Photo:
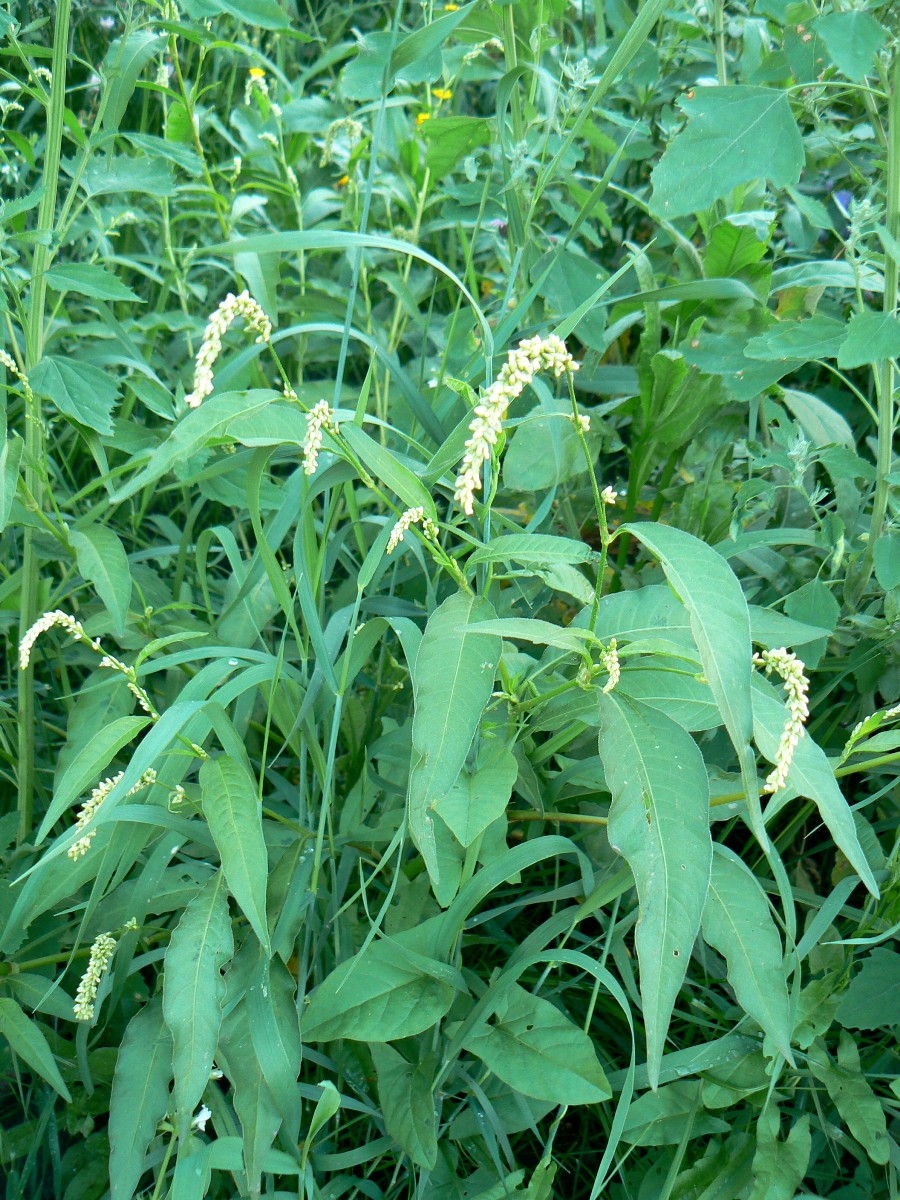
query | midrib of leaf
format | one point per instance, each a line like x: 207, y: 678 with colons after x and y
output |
x: 193, y: 986
x: 715, y: 158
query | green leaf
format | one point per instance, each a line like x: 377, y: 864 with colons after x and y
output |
x: 810, y: 775
x: 542, y: 633
x: 275, y: 1034
x: 26, y: 1039
x: 406, y: 1092
x: 80, y: 391
x: 475, y: 801
x: 452, y: 682
x: 10, y: 458
x: 852, y: 1096
x: 816, y: 337
x: 387, y: 470
x: 111, y: 175
x: 413, y: 56
x: 539, y: 1051
x: 720, y: 621
x: 887, y: 560
x: 232, y: 811
x: 659, y: 1118
x: 449, y: 138
x: 532, y: 549
x: 103, y: 562
x: 140, y: 1097
x: 871, y: 337
x: 89, y: 279
x: 256, y: 1109
x: 779, y: 1167
x: 91, y: 760
x: 381, y: 994
x: 545, y: 450
x: 734, y: 135
x: 852, y: 39
x: 124, y: 61
x: 267, y: 14
x: 737, y: 922
x: 659, y: 822
x: 872, y: 1001
x: 194, y: 990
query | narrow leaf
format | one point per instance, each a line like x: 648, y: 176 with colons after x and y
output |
x: 26, y: 1039
x: 140, y: 1097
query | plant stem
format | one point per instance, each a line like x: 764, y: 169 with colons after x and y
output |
x: 34, y: 449
x: 721, y: 69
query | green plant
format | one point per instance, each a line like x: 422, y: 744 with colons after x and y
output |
x: 417, y: 459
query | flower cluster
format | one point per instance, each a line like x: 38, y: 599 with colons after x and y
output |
x: 6, y: 360
x: 72, y: 627
x: 229, y: 310
x: 116, y: 664
x: 610, y: 659
x: 319, y: 417
x: 788, y: 667
x: 522, y: 364
x: 101, y: 955
x: 412, y: 516
x: 89, y: 808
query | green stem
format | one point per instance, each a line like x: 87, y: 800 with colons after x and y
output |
x: 34, y: 450
x: 721, y: 70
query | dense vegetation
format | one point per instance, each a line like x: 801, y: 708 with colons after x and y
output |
x: 450, y: 593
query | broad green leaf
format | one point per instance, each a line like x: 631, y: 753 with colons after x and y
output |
x: 887, y: 560
x: 536, y: 550
x: 779, y: 1167
x: 852, y: 39
x: 267, y: 14
x: 381, y: 994
x: 232, y: 811
x: 26, y: 1039
x: 720, y: 623
x: 122, y: 173
x: 737, y: 922
x: 387, y: 470
x: 734, y: 135
x: 89, y: 279
x: 140, y: 1097
x: 194, y: 990
x: 545, y: 450
x: 852, y: 1096
x: 452, y: 682
x: 539, y: 1051
x: 477, y: 800
x: 193, y: 431
x: 659, y: 822
x: 674, y: 688
x: 810, y: 775
x: 257, y: 1112
x: 872, y: 1001
x: 871, y: 337
x: 659, y: 1118
x: 449, y: 138
x: 10, y: 458
x: 406, y: 1092
x: 80, y: 391
x: 816, y: 337
x: 103, y: 562
x: 91, y: 760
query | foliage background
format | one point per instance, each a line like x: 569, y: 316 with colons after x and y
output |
x: 370, y: 916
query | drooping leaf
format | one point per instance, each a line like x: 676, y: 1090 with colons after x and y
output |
x: 452, y: 682
x: 103, y: 562
x: 275, y: 1034
x: 406, y: 1092
x: 257, y: 1112
x: 734, y: 135
x: 385, y: 467
x: 140, y: 1097
x: 193, y: 992
x: 10, y: 458
x: 659, y: 822
x: 26, y: 1039
x: 122, y: 66
x: 381, y: 994
x: 232, y: 811
x: 539, y: 1051
x: 737, y: 922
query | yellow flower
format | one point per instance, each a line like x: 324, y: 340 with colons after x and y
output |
x: 422, y: 118
x: 451, y: 8
x: 343, y: 181
x: 257, y: 73
x: 442, y: 93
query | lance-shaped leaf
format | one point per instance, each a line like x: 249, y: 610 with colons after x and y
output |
x: 539, y: 1051
x: 194, y: 990
x: 25, y: 1037
x: 383, y: 993
x: 140, y: 1097
x: 659, y: 822
x: 253, y: 1102
x: 232, y: 812
x: 737, y: 922
x: 452, y: 682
